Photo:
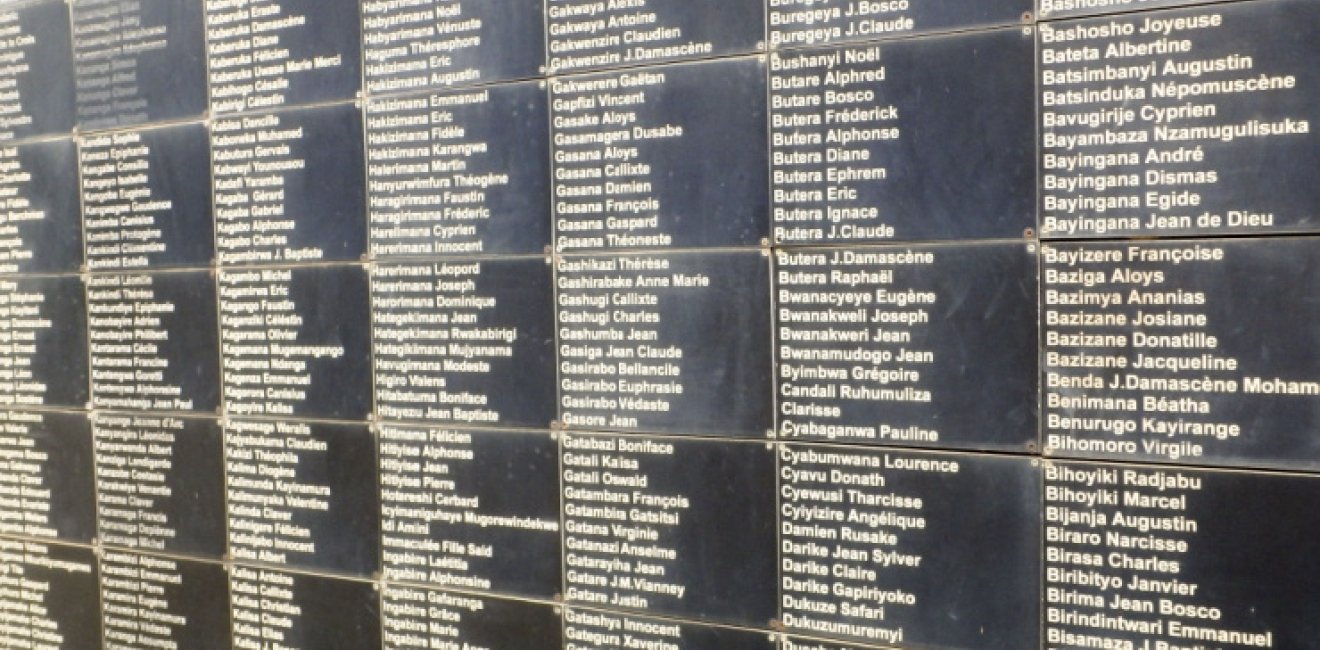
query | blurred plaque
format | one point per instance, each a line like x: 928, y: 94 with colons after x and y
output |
x: 619, y: 33
x: 673, y: 343
x: 272, y: 609
x: 43, y: 341
x: 596, y: 629
x: 266, y: 55
x: 139, y: 61
x: 800, y: 643
x: 1188, y: 122
x: 670, y: 526
x: 154, y: 341
x: 465, y: 342
x: 160, y: 483
x: 1196, y: 351
x: 459, y: 173
x: 869, y: 540
x: 296, y: 342
x: 795, y: 23
x: 54, y: 589
x: 1156, y: 557
x: 46, y: 476
x: 472, y: 510
x: 928, y: 346
x: 303, y: 495
x: 436, y: 43
x: 1066, y: 8
x: 156, y: 602
x: 40, y: 230
x: 289, y: 186
x: 147, y: 198
x: 922, y: 139
x: 426, y: 618
x: 663, y: 157
x: 36, y: 71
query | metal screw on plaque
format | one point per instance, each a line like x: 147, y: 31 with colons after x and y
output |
x: 558, y: 598
x: 1027, y: 17
x: 777, y: 625
x: 1027, y: 31
x: 1029, y: 233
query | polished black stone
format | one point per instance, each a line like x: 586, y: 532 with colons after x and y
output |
x: 40, y: 182
x: 57, y: 586
x: 312, y: 611
x: 1066, y: 8
x: 617, y: 630
x: 47, y: 476
x: 643, y: 32
x: 923, y: 139
x: 43, y: 341
x: 427, y: 618
x: 37, y: 70
x: 931, y: 346
x: 164, y: 602
x: 798, y: 24
x: 481, y: 186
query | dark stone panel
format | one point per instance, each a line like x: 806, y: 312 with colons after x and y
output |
x: 675, y: 342
x: 297, y: 342
x: 800, y: 643
x: 459, y: 173
x: 648, y: 529
x: 473, y: 510
x: 303, y: 495
x: 592, y: 630
x: 147, y: 198
x: 923, y: 139
x: 155, y: 602
x: 465, y: 342
x: 796, y: 23
x: 439, y: 44
x: 1067, y: 8
x: 928, y: 346
x: 584, y: 35
x: 46, y: 476
x: 1196, y: 351
x: 43, y: 341
x: 271, y: 608
x: 57, y: 589
x: 662, y: 157
x: 37, y: 71
x: 1204, y: 129
x: 426, y: 618
x: 160, y: 483
x: 289, y: 186
x: 41, y: 225
x: 154, y: 341
x: 893, y: 548
x: 141, y: 61
x: 1150, y: 556
x: 266, y: 55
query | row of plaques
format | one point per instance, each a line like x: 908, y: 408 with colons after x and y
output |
x: 826, y: 541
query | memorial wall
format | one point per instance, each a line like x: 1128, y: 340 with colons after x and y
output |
x: 659, y: 324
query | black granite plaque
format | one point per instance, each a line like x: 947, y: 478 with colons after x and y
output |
x: 273, y: 609
x: 138, y: 61
x: 43, y: 341
x: 869, y: 541
x: 591, y: 630
x: 425, y: 618
x: 50, y: 594
x: 795, y: 23
x: 1196, y: 121
x: 147, y: 198
x: 929, y: 138
x: 1155, y: 557
x: 160, y: 483
x: 156, y: 602
x: 303, y: 494
x: 46, y: 476
x: 437, y: 43
x: 459, y: 172
x: 1190, y: 351
x: 614, y: 33
x: 289, y: 186
x: 662, y: 157
x: 39, y: 219
x: 474, y: 510
x: 1066, y: 8
x: 675, y: 343
x: 646, y: 527
x: 154, y: 342
x: 36, y: 71
x: 800, y: 643
x: 931, y: 346
x: 265, y: 55
x: 465, y: 342
x: 296, y: 342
